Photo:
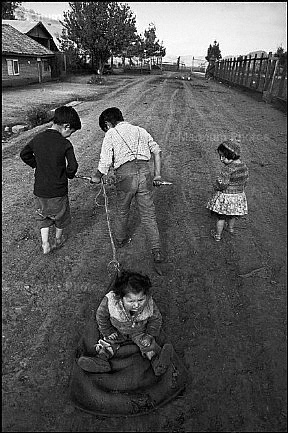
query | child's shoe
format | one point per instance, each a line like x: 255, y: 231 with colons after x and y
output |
x: 215, y: 236
x: 229, y: 230
x: 59, y: 242
x: 94, y: 365
x: 161, y: 362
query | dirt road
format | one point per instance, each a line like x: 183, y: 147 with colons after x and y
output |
x: 223, y: 304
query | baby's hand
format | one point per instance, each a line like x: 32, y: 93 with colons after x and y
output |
x: 146, y: 340
x: 113, y: 336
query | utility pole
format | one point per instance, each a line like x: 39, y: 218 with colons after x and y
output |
x: 192, y: 67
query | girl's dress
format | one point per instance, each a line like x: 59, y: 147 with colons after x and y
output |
x: 229, y: 197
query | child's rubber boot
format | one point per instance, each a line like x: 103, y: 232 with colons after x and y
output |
x: 94, y: 365
x: 161, y: 362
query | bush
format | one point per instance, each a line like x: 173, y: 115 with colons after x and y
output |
x: 39, y: 115
x: 96, y: 79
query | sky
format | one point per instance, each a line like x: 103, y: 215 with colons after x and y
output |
x: 188, y: 28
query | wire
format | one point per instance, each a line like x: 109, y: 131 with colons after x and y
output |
x: 114, y: 262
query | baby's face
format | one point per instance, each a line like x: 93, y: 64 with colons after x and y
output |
x: 134, y: 301
x: 225, y: 160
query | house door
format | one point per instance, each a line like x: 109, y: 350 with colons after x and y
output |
x: 39, y: 65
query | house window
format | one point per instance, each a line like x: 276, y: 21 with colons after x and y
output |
x: 46, y: 66
x: 13, y: 67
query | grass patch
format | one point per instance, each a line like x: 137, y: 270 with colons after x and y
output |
x: 39, y: 114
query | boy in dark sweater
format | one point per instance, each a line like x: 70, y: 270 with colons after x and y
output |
x: 48, y: 153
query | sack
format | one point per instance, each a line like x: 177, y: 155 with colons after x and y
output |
x: 130, y: 388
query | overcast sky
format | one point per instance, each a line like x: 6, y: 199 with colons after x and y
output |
x: 188, y: 28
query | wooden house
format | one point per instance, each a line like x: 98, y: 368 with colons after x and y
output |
x: 24, y: 60
x: 36, y: 31
x: 47, y: 33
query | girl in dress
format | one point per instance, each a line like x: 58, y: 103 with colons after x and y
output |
x: 229, y: 199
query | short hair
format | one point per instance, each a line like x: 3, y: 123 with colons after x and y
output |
x: 112, y: 115
x: 134, y: 282
x: 69, y: 115
x: 227, y: 153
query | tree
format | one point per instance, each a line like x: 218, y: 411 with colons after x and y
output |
x: 8, y: 9
x: 213, y: 52
x: 282, y: 55
x: 100, y: 30
x: 151, y: 45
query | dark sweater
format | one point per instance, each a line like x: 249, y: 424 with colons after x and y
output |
x: 48, y: 153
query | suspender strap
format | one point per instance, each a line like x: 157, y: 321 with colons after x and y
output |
x: 133, y: 153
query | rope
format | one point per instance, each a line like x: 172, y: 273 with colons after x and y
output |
x: 114, y: 262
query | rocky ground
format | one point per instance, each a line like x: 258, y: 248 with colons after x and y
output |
x: 223, y: 304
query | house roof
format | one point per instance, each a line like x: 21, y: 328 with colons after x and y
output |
x: 22, y: 26
x: 55, y: 29
x: 52, y: 27
x: 15, y: 42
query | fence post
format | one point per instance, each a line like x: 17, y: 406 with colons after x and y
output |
x: 222, y: 69
x: 268, y: 73
x: 247, y: 72
x: 235, y: 70
x: 282, y: 80
x: 253, y: 71
x: 267, y: 95
x: 239, y: 71
x: 232, y: 70
x: 243, y: 70
x: 259, y: 71
x: 228, y: 69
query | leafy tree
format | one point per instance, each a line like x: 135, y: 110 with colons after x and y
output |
x: 8, y: 9
x: 282, y: 55
x: 135, y: 49
x: 213, y: 52
x: 99, y: 29
x: 151, y: 44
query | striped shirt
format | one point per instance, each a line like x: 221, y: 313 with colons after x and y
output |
x: 124, y: 143
x: 233, y: 178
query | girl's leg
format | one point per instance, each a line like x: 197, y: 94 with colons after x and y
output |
x: 58, y: 233
x: 45, y: 240
x: 59, y: 238
x: 219, y: 227
x: 231, y: 223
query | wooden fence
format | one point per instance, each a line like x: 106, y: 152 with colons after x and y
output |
x: 262, y: 74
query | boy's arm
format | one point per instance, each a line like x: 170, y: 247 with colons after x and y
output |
x: 154, y: 322
x: 103, y: 319
x: 155, y: 150
x: 72, y: 164
x: 105, y: 161
x: 27, y: 156
x: 157, y: 168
